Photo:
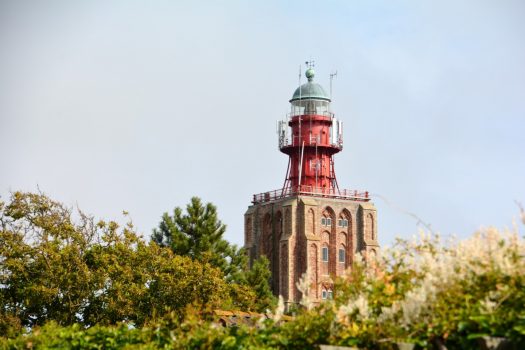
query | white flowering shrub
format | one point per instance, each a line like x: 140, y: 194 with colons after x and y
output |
x: 426, y: 289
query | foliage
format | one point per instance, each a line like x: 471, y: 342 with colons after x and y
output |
x: 53, y: 268
x: 258, y: 278
x: 417, y: 291
x: 73, y: 283
x: 198, y: 234
x: 44, y: 275
x: 424, y: 290
x: 53, y: 336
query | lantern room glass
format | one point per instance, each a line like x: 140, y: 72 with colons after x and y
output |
x: 310, y: 106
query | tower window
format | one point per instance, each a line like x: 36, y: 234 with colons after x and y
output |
x: 343, y: 222
x: 326, y: 221
x: 325, y: 254
x: 323, y: 294
x: 341, y: 255
x: 330, y: 295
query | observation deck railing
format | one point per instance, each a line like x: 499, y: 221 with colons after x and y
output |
x: 290, y: 115
x: 285, y: 141
x: 303, y: 190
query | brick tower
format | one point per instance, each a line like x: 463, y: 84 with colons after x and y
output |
x: 310, y: 224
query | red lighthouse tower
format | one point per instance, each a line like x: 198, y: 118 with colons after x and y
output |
x: 310, y: 137
x: 310, y: 226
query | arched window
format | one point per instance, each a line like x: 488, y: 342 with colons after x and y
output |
x: 328, y: 215
x: 342, y: 254
x: 327, y: 293
x: 326, y: 221
x: 325, y: 253
x: 344, y: 219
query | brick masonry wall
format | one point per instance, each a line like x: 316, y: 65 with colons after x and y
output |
x: 289, y: 232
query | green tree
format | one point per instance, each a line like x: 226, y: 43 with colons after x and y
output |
x: 144, y: 282
x: 43, y: 274
x: 258, y: 277
x: 198, y: 234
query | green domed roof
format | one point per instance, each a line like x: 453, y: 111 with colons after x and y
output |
x: 310, y: 90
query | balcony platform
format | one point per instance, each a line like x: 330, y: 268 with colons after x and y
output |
x: 352, y: 195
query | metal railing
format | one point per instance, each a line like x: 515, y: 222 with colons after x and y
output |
x: 311, y: 191
x: 290, y: 115
x: 286, y: 142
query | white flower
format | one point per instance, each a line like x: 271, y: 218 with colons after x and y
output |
x: 279, y: 311
x: 488, y: 306
x: 303, y: 285
x: 360, y: 304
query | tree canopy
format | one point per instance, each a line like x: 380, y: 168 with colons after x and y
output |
x: 61, y: 265
x: 198, y: 234
x: 258, y: 278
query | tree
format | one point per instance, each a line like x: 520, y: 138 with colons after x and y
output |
x: 43, y: 274
x: 56, y: 266
x: 61, y: 265
x: 198, y: 234
x: 144, y: 282
x: 258, y: 277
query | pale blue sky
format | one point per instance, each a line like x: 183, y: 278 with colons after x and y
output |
x: 139, y: 105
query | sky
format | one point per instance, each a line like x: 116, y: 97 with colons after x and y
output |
x: 140, y: 105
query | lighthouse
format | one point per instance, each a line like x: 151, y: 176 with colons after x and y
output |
x: 310, y: 226
x: 310, y: 138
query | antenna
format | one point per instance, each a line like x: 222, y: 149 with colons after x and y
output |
x: 332, y: 76
x: 310, y: 64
